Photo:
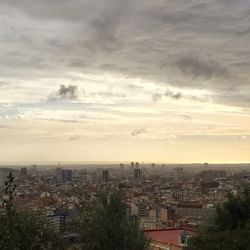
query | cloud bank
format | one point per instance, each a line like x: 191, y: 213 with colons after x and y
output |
x: 184, y: 44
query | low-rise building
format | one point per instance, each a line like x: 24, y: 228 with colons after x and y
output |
x: 169, y: 239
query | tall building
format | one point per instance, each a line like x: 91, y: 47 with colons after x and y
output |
x: 132, y: 164
x: 58, y: 172
x: 33, y: 170
x: 67, y: 175
x: 179, y: 172
x: 24, y: 171
x: 105, y: 175
x: 137, y: 173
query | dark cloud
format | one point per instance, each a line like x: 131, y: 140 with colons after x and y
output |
x: 156, y: 97
x: 134, y: 87
x: 106, y: 94
x: 69, y: 92
x: 198, y: 67
x: 187, y: 117
x: 103, y: 94
x: 183, y: 43
x: 174, y: 95
x: 233, y: 98
x: 4, y: 127
x: 74, y: 138
x: 105, y: 28
x: 138, y: 131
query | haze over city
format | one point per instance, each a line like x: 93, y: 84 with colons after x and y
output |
x: 115, y: 80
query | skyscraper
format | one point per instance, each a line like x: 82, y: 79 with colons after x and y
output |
x: 24, y: 171
x: 67, y: 175
x: 59, y: 172
x: 105, y: 175
x: 137, y: 173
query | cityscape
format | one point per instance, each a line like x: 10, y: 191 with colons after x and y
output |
x: 164, y: 199
x: 124, y: 125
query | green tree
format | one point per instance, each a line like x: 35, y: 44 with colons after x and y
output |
x: 228, y: 227
x: 103, y: 225
x: 22, y: 230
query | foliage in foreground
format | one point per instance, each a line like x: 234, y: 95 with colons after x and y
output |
x: 22, y: 230
x: 228, y: 228
x: 103, y: 225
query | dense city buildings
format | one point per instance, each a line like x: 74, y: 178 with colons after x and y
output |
x: 124, y: 125
x: 164, y: 200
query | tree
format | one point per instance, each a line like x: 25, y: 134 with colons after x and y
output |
x: 22, y: 230
x: 103, y: 225
x: 228, y: 227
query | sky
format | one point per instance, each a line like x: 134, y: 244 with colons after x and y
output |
x: 125, y: 80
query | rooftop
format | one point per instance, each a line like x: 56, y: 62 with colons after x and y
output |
x: 168, y: 236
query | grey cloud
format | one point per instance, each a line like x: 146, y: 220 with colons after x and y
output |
x: 187, y: 117
x: 75, y: 138
x: 134, y: 87
x: 103, y: 94
x: 156, y: 97
x: 106, y: 26
x: 198, y: 67
x: 64, y: 92
x: 173, y: 95
x: 107, y: 94
x: 48, y: 10
x: 233, y: 98
x: 73, y: 121
x: 4, y: 127
x: 9, y: 127
x: 3, y: 83
x: 137, y: 132
x: 186, y: 44
x: 68, y: 92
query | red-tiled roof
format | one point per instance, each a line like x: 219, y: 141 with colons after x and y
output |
x: 167, y: 236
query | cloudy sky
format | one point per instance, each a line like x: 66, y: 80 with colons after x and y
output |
x: 125, y: 80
